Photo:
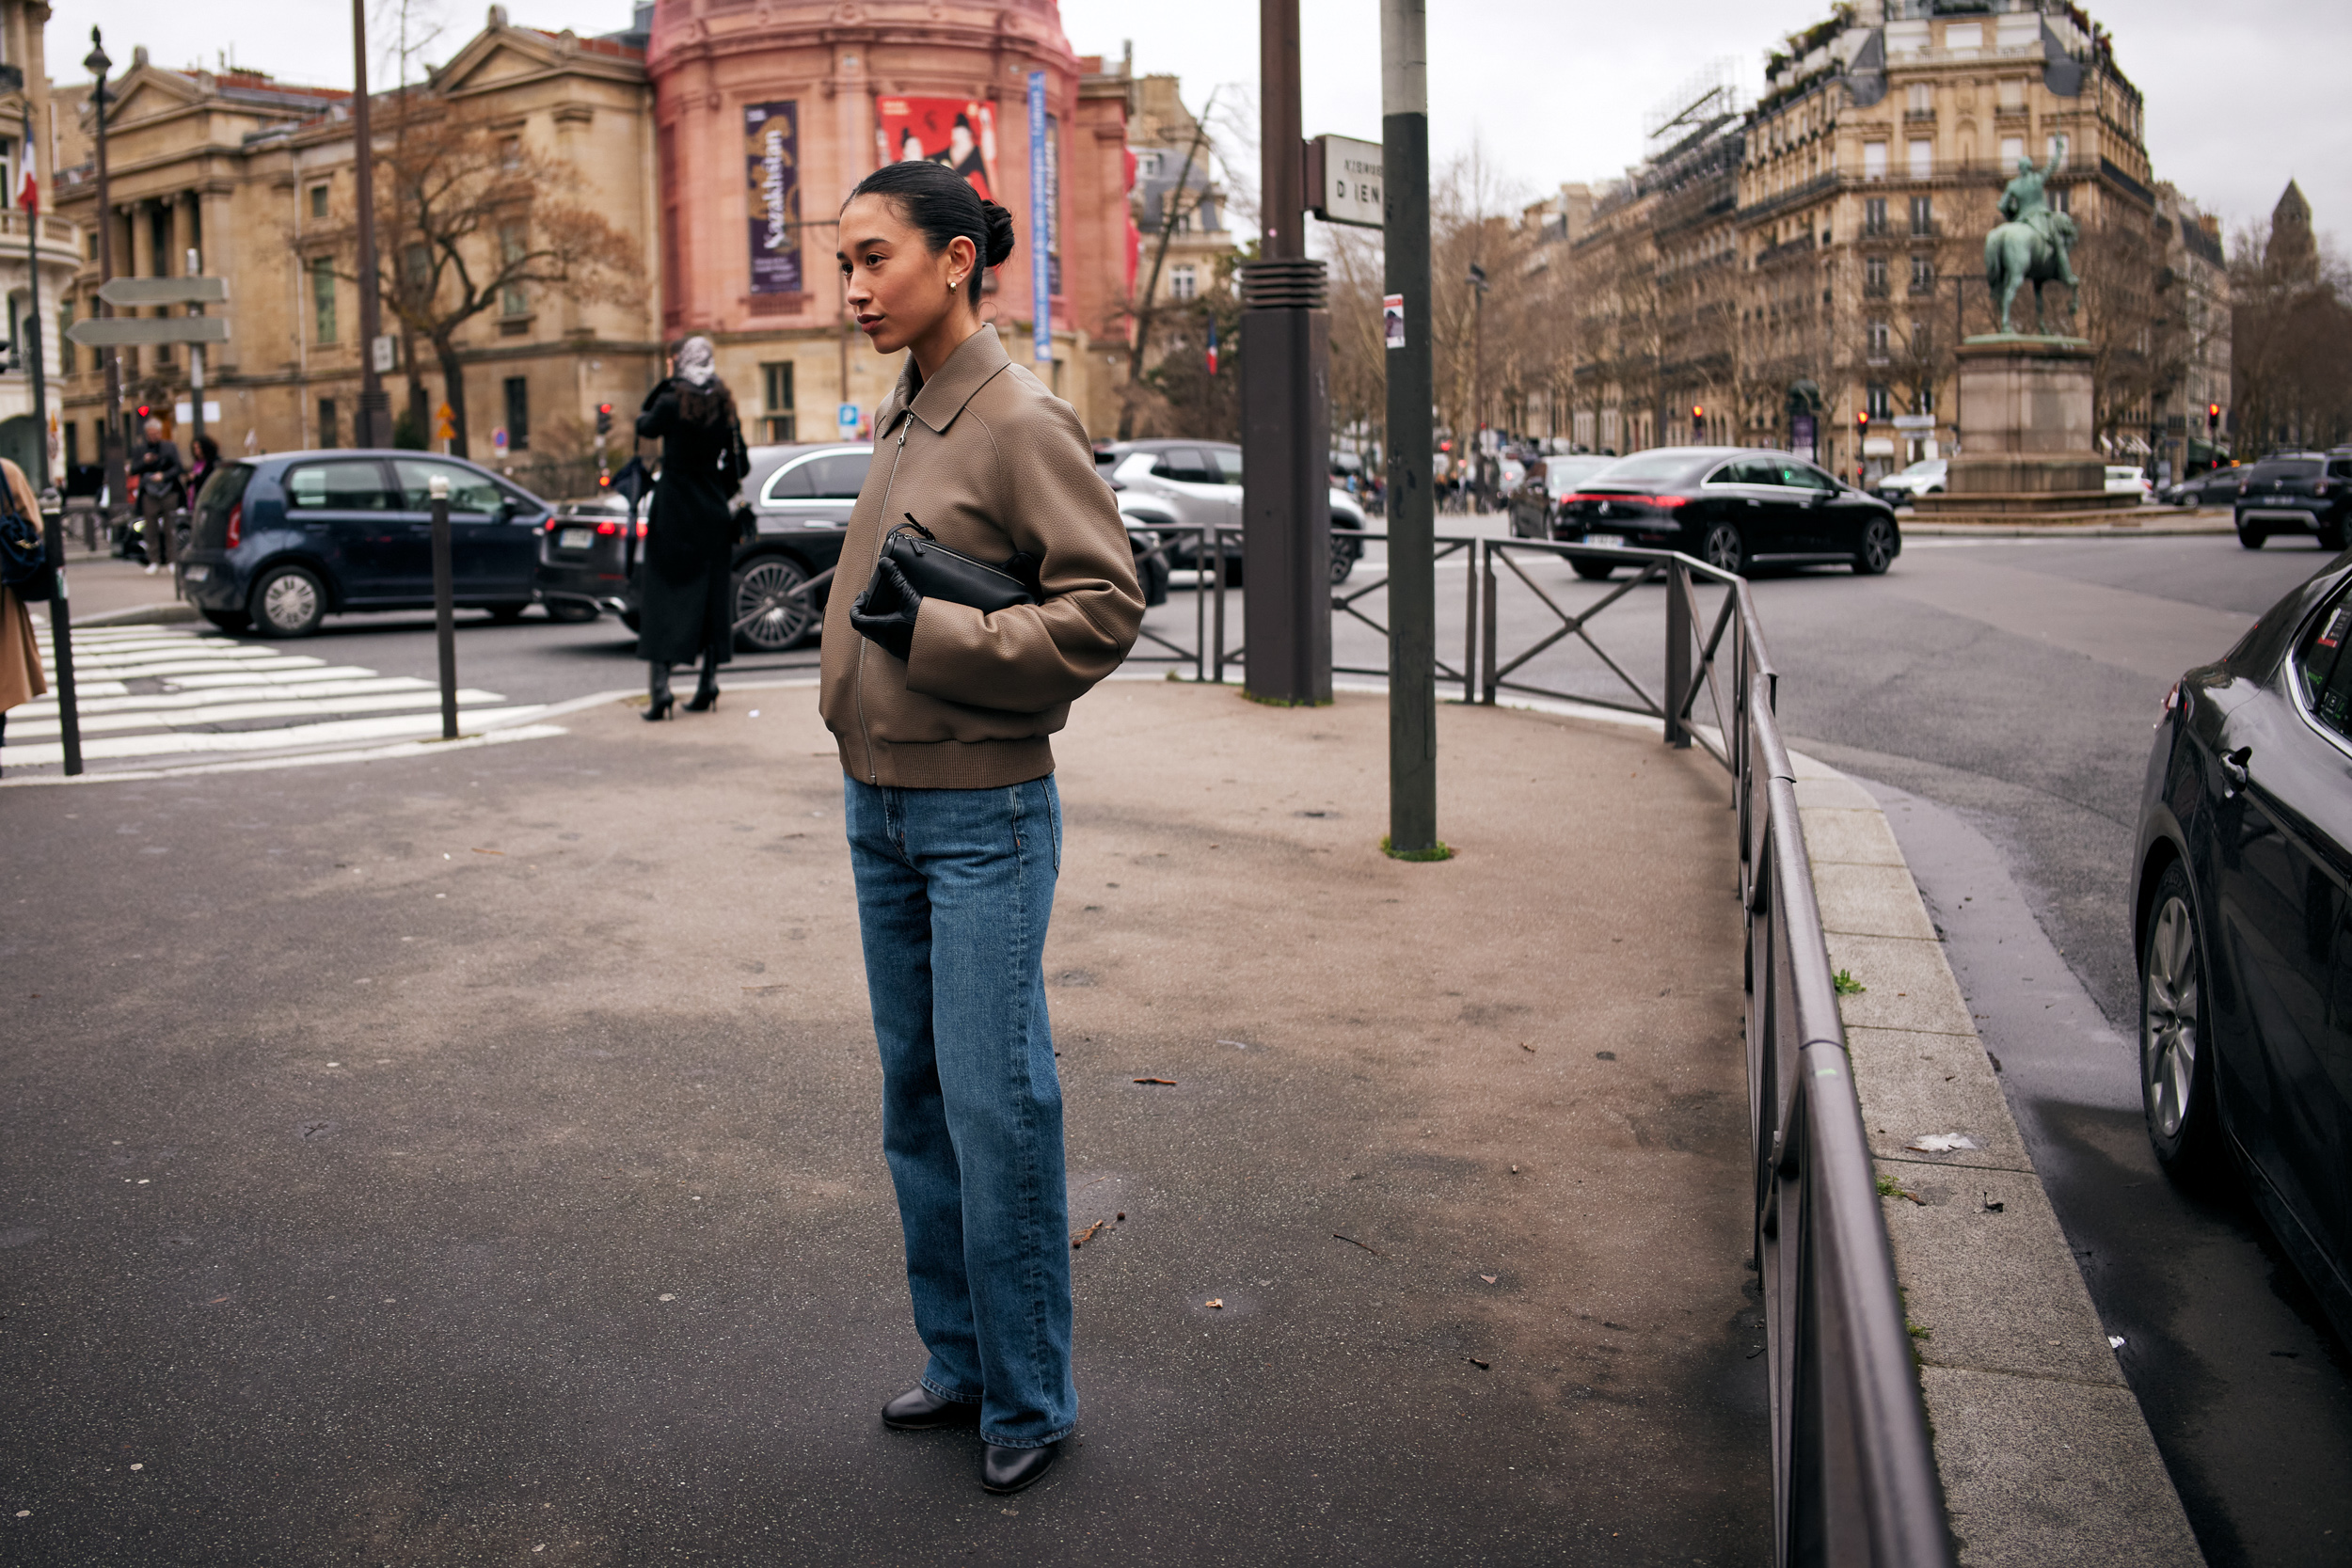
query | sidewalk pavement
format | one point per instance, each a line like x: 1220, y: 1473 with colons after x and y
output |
x: 441, y: 1159
x: 105, y: 591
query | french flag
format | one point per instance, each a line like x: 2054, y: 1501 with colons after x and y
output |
x: 1211, y: 345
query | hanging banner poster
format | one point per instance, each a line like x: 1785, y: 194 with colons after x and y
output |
x: 957, y: 132
x: 1051, y: 229
x: 771, y: 157
x: 1041, y: 225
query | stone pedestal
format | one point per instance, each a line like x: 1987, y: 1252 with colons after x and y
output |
x: 2025, y: 431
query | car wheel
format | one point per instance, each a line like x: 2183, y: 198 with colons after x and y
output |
x: 1876, y: 549
x: 228, y: 620
x: 2251, y: 537
x: 575, y: 611
x: 1725, y: 549
x: 1345, y: 551
x: 289, y: 602
x: 1592, y: 570
x: 768, y: 616
x: 2176, y: 1045
x: 507, y: 614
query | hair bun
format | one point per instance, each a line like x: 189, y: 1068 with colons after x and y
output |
x: 999, y: 224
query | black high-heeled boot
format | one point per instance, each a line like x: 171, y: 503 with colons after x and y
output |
x: 707, y: 689
x: 661, y: 702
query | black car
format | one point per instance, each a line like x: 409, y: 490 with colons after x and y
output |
x: 2244, y: 927
x: 277, y: 543
x: 791, y: 511
x: 2213, y: 487
x: 1731, y: 507
x: 1535, y: 501
x: 2297, y: 492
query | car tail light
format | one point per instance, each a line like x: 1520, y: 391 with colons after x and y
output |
x: 1670, y: 502
x: 2172, y: 704
x: 608, y: 526
x: 550, y: 525
x: 236, y: 526
x: 641, y: 525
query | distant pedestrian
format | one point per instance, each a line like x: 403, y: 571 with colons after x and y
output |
x: 943, y: 710
x: 685, y: 608
x: 207, y: 462
x: 163, y: 490
x: 20, y: 554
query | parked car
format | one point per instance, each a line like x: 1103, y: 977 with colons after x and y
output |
x: 2244, y: 928
x: 2213, y: 487
x: 2300, y: 492
x: 1198, y: 483
x: 1928, y: 477
x: 2125, y: 479
x: 1731, y: 507
x: 278, y: 542
x: 1534, y: 503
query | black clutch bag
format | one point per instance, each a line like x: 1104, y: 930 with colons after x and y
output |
x: 934, y: 571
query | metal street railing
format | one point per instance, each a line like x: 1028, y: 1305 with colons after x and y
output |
x: 1853, y: 1475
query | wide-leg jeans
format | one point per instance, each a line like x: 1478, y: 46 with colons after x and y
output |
x: 954, y: 890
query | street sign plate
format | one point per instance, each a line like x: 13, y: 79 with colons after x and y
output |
x: 387, y: 350
x: 498, y: 438
x: 124, y: 291
x: 1915, y: 421
x: 145, y: 331
x: 1348, y: 176
x: 846, y: 416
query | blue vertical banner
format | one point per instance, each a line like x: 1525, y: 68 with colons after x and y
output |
x: 1040, y: 225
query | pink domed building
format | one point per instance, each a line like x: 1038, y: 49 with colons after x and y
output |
x: 768, y: 111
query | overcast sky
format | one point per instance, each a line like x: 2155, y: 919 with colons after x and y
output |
x: 2240, y: 97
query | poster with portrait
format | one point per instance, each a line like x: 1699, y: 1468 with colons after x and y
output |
x: 959, y: 132
x: 772, y: 158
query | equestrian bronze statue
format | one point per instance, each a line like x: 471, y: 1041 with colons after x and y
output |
x: 2030, y: 246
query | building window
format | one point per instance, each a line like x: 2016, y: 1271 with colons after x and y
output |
x: 1924, y: 401
x: 1881, y: 405
x: 518, y: 414
x: 1922, y: 275
x: 1921, y: 341
x: 1875, y: 215
x: 1965, y: 34
x: 318, y: 201
x: 510, y: 153
x: 512, y: 300
x: 1921, y: 155
x: 159, y: 238
x: 1877, y: 342
x: 322, y: 299
x: 1182, y: 283
x: 2058, y: 203
x: 2012, y: 96
x: 1874, y: 160
x: 1920, y: 101
x: 776, y: 385
x: 1874, y: 275
x: 326, y: 423
x: 1923, y: 215
x: 2013, y: 153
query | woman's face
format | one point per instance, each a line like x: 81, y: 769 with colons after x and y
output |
x: 898, y: 289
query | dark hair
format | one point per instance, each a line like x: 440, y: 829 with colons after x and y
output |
x: 208, y: 449
x: 943, y: 204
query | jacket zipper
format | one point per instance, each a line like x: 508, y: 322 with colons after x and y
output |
x: 873, y: 774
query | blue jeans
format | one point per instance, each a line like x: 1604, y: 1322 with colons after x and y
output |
x: 954, y: 889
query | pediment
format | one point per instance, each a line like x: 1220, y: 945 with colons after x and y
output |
x: 496, y: 57
x: 146, y: 92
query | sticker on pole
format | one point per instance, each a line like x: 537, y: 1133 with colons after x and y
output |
x: 1393, y: 320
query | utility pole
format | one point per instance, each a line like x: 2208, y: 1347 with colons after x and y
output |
x: 110, y: 431
x: 1478, y: 377
x: 1412, y: 502
x: 1285, y: 405
x: 374, y: 410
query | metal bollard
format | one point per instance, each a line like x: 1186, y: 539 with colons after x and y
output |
x: 444, y: 606
x: 61, y: 643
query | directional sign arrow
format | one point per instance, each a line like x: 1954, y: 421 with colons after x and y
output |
x: 142, y: 331
x: 128, y: 292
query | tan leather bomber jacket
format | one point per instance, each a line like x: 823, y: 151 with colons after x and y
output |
x: 990, y: 461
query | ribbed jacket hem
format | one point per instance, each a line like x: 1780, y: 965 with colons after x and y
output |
x: 951, y: 763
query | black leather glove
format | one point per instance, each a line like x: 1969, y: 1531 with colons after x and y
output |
x: 885, y: 613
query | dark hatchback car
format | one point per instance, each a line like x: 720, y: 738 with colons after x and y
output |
x: 1535, y: 501
x: 277, y: 543
x: 1732, y: 507
x: 2242, y: 900
x: 2213, y: 487
x: 794, y: 504
x: 2302, y: 492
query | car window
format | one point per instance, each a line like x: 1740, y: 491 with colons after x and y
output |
x: 2265, y: 472
x: 788, y: 483
x: 222, y: 492
x: 1804, y: 476
x: 1668, y: 467
x: 2322, y: 672
x: 2340, y: 468
x: 1227, y: 464
x: 839, y: 476
x: 467, y: 490
x: 346, y: 486
x: 1187, y: 466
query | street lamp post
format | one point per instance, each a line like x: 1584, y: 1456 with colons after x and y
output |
x: 1412, y: 499
x: 110, y: 429
x: 374, y: 409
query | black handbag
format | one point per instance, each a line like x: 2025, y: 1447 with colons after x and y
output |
x: 934, y: 571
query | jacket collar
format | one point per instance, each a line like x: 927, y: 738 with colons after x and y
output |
x: 937, y: 402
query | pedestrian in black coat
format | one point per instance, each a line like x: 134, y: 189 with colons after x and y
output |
x: 685, y: 609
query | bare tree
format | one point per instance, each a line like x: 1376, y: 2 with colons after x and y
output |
x: 2291, y: 336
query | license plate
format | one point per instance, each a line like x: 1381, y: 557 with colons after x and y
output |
x: 1612, y: 541
x: 199, y: 574
x: 576, y: 538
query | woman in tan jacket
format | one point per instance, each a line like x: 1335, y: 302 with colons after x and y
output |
x: 21, y: 677
x: 942, y: 713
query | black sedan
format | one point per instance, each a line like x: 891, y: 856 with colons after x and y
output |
x: 1732, y: 507
x: 2244, y: 927
x: 2295, y: 492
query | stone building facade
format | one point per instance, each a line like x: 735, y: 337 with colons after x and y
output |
x: 40, y: 252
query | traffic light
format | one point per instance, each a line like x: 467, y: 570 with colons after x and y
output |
x: 2213, y: 419
x: 1698, y: 423
x: 1862, y: 423
x: 604, y: 418
x: 144, y: 411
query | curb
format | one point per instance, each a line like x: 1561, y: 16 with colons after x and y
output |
x: 139, y: 615
x: 2040, y: 1442
x: 2166, y: 528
